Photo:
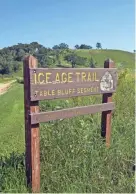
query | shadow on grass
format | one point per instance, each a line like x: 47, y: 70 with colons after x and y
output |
x: 12, y: 173
x: 63, y: 66
x: 15, y: 160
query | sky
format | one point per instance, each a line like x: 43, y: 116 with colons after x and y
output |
x: 51, y: 22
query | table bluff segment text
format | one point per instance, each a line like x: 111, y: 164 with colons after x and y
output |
x: 66, y: 91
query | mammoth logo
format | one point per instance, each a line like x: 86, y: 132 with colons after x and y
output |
x: 106, y: 83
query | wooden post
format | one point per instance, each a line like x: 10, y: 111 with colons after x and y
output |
x: 106, y: 116
x: 32, y: 152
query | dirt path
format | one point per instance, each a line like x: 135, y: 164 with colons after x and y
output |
x: 5, y: 86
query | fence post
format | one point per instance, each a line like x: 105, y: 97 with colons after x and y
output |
x: 32, y: 150
x: 106, y: 116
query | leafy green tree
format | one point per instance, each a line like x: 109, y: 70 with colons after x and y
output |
x: 75, y: 60
x: 55, y: 47
x: 60, y: 46
x: 72, y: 59
x: 63, y: 46
x: 11, y: 57
x: 77, y: 46
x: 16, y: 66
x: 5, y: 68
x: 84, y: 46
x: 20, y: 54
x: 98, y: 45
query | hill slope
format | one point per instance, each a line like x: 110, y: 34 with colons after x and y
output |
x: 126, y: 58
x: 11, y: 58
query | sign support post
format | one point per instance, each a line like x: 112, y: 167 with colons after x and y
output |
x: 32, y: 149
x: 107, y: 115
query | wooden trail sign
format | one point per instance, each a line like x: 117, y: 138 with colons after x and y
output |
x: 47, y: 83
x: 64, y: 83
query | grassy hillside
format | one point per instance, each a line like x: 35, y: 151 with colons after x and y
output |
x: 127, y: 60
x: 118, y: 56
x: 73, y: 156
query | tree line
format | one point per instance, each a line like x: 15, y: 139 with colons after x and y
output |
x: 82, y: 46
x: 11, y: 58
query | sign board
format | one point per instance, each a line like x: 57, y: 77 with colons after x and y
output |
x: 45, y: 83
x: 63, y: 83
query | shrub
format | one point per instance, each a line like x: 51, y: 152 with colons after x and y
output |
x: 20, y: 80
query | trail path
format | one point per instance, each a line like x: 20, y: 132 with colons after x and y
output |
x: 5, y: 86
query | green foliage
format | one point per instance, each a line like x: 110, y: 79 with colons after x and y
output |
x: 77, y: 46
x: 11, y: 58
x: 98, y: 45
x: 16, y: 66
x: 83, y: 46
x: 61, y: 46
x: 20, y: 80
x: 125, y: 58
x: 5, y: 68
x: 55, y: 47
x: 76, y: 60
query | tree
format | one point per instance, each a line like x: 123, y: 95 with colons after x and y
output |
x: 60, y: 46
x: 90, y: 47
x: 98, y: 45
x: 20, y: 54
x: 84, y: 46
x: 16, y: 66
x: 5, y: 68
x: 11, y: 57
x: 77, y: 46
x: 63, y: 46
x: 55, y: 47
x: 72, y: 59
x: 75, y: 59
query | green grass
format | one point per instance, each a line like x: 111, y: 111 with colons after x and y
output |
x: 118, y: 56
x: 12, y: 120
x: 5, y: 80
x: 73, y: 155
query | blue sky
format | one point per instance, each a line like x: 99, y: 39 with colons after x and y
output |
x: 51, y: 22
